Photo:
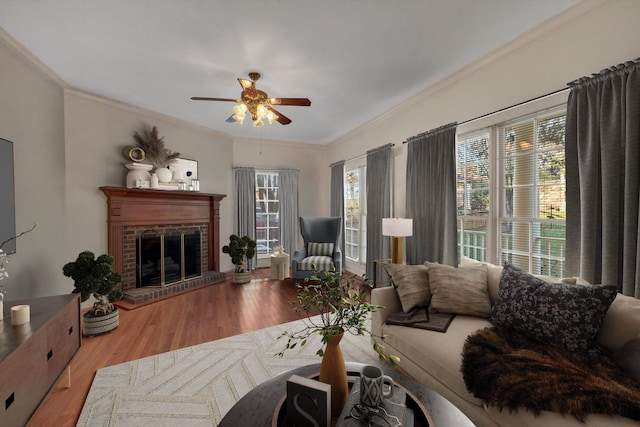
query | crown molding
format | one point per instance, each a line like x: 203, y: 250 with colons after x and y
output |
x: 546, y: 29
x: 143, y: 111
x: 22, y: 54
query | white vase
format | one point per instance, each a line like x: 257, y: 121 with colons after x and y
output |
x: 139, y: 172
x: 154, y: 180
x: 164, y: 175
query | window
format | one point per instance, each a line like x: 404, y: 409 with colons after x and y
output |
x: 267, y: 212
x: 526, y: 221
x: 532, y: 215
x: 472, y: 194
x: 355, y: 213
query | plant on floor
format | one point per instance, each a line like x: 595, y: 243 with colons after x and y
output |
x: 240, y: 249
x: 95, y: 276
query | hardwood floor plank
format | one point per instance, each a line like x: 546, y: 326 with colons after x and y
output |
x: 196, y: 317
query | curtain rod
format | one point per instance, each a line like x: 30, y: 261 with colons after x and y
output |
x: 497, y: 111
x: 359, y: 156
x: 514, y: 105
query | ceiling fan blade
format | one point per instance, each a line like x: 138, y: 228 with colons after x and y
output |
x: 282, y: 119
x: 200, y: 98
x: 246, y: 84
x: 300, y: 102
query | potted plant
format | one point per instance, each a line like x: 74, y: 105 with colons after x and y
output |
x: 95, y: 276
x: 342, y: 306
x: 240, y: 249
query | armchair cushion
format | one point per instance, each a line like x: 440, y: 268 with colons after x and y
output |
x: 321, y: 249
x: 322, y: 263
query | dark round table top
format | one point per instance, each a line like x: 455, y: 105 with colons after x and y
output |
x: 257, y: 407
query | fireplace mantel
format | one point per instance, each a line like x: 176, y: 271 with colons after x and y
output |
x: 136, y: 207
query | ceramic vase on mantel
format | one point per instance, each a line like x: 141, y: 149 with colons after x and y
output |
x: 164, y: 175
x: 139, y: 173
x: 334, y: 372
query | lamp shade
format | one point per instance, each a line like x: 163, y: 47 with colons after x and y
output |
x: 397, y: 227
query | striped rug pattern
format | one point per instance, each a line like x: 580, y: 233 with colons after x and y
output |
x: 196, y: 386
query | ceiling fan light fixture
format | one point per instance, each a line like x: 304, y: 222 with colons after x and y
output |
x: 257, y: 103
x: 239, y: 111
x: 271, y: 117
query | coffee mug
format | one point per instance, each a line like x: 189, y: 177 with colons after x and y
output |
x: 372, y: 381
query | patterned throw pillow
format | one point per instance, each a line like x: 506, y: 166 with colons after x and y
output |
x: 319, y: 249
x: 412, y: 284
x: 568, y: 316
x: 461, y: 290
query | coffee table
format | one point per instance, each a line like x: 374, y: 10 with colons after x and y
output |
x: 263, y: 405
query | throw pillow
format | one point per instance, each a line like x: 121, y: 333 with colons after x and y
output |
x: 412, y: 284
x: 493, y: 275
x: 319, y: 249
x: 461, y: 290
x: 568, y: 316
x: 628, y: 358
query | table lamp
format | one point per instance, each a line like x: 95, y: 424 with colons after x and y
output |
x: 397, y: 228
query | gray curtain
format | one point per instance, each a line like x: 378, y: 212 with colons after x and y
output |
x: 337, y: 197
x: 603, y: 178
x: 245, y: 205
x: 431, y: 196
x: 378, y: 204
x: 288, y: 199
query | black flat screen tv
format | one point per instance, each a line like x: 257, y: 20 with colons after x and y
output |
x: 7, y: 197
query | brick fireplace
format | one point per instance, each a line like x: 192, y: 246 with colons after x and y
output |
x: 132, y: 213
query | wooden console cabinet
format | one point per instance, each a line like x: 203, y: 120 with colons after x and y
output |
x: 34, y: 355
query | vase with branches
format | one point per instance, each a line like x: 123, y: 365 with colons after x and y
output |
x: 333, y: 305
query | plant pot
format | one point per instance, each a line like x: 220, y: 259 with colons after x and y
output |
x: 101, y: 324
x: 244, y: 277
x: 334, y: 372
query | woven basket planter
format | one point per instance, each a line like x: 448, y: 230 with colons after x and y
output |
x: 99, y: 325
x: 244, y: 277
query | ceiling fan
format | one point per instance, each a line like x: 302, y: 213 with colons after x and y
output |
x: 257, y: 103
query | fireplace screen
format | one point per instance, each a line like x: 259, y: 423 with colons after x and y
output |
x: 172, y: 257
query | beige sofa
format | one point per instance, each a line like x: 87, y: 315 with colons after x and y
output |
x: 435, y: 358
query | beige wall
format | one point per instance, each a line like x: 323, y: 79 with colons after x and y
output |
x: 587, y: 38
x: 97, y: 131
x: 309, y: 159
x: 31, y: 115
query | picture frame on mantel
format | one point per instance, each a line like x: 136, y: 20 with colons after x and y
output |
x: 184, y: 169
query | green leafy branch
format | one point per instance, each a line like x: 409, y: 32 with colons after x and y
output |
x: 342, y: 306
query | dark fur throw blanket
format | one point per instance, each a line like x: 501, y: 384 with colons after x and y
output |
x: 508, y: 370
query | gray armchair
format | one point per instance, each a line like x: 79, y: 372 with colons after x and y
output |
x: 322, y: 247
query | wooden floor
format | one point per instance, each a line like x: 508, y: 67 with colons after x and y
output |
x: 207, y: 314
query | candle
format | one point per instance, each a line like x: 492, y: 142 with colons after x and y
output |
x: 20, y: 314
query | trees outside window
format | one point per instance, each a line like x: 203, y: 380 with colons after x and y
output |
x: 511, y: 193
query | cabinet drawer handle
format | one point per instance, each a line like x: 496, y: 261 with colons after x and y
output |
x: 50, y: 354
x: 70, y: 330
x: 9, y: 401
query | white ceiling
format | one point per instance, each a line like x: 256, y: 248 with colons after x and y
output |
x: 354, y: 59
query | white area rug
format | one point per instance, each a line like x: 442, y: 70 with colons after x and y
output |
x: 196, y: 386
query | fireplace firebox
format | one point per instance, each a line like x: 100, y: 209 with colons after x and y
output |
x: 163, y: 259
